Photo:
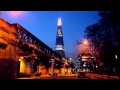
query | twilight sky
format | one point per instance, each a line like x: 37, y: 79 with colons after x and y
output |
x: 43, y: 24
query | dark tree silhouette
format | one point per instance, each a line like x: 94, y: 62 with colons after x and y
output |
x: 105, y: 35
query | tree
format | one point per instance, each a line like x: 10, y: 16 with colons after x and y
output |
x: 105, y: 35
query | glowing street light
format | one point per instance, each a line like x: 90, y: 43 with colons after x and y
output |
x: 85, y: 42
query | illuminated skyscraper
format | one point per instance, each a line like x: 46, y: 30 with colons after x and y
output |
x: 59, y: 46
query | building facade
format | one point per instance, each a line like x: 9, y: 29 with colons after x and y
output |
x: 83, y: 64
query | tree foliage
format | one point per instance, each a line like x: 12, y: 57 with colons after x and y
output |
x: 105, y: 35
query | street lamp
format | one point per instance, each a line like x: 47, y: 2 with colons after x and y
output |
x: 85, y: 42
x: 85, y: 46
x: 89, y: 49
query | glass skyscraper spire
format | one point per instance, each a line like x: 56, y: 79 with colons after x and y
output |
x: 59, y: 46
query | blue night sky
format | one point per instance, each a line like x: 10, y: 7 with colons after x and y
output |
x: 43, y: 24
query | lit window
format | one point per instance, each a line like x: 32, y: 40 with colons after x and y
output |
x: 84, y: 65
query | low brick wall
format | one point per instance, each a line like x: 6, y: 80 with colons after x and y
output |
x: 9, y: 69
x: 114, y: 77
x: 98, y: 76
x: 104, y: 76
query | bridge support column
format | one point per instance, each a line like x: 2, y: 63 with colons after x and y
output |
x: 42, y: 69
x: 70, y: 70
x: 22, y: 65
x: 28, y: 68
x: 52, y: 68
x: 59, y: 71
x: 66, y: 70
x: 32, y: 66
x: 56, y: 71
x: 62, y: 70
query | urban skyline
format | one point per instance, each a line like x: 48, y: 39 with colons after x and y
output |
x: 40, y: 23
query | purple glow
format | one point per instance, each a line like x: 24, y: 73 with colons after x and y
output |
x: 15, y: 13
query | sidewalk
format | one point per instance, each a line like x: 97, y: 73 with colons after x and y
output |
x: 28, y: 78
x: 59, y: 76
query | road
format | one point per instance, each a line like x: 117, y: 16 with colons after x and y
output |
x: 55, y: 77
x: 74, y: 76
